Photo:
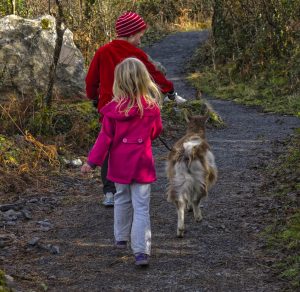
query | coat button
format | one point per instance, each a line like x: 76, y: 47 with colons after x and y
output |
x: 140, y: 140
x: 125, y: 140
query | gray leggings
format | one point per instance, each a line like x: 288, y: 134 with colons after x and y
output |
x: 132, y: 217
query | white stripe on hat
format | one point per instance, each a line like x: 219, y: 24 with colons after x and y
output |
x: 129, y: 18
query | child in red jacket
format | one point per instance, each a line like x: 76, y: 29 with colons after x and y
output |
x: 130, y: 27
x: 130, y: 122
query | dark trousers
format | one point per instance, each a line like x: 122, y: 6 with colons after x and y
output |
x: 108, y: 186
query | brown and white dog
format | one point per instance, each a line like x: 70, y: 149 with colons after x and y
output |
x: 191, y: 170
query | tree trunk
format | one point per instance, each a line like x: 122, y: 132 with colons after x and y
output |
x: 59, y: 40
x: 13, y: 6
x: 80, y: 11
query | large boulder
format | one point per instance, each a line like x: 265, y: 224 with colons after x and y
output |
x: 26, y: 53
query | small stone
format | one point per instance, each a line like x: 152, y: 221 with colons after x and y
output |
x: 76, y: 162
x: 52, y: 277
x: 15, y: 207
x: 207, y: 225
x: 11, y: 215
x: 6, y: 239
x: 27, y: 214
x: 33, y: 241
x: 66, y: 161
x: 33, y: 201
x: 45, y: 225
x: 10, y: 223
x: 54, y: 249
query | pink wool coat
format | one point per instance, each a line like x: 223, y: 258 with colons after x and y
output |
x: 128, y: 141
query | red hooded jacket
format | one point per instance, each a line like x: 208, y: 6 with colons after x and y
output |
x: 100, y: 76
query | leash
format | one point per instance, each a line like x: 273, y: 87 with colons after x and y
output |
x: 164, y: 142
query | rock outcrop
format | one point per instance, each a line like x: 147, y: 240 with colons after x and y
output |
x: 26, y: 53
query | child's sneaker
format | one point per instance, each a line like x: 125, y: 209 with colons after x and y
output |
x: 179, y: 99
x: 121, y: 244
x: 108, y: 200
x: 141, y: 259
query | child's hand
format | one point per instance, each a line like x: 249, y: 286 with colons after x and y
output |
x: 86, y: 168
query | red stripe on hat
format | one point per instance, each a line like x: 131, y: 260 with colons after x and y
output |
x: 127, y: 18
x: 128, y: 22
x: 131, y: 26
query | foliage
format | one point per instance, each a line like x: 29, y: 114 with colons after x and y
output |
x: 92, y: 21
x: 254, y: 32
x: 274, y: 88
x: 284, y: 234
x: 34, y: 139
x: 3, y: 284
x: 66, y: 123
x: 45, y: 23
x: 253, y: 54
x: 266, y: 93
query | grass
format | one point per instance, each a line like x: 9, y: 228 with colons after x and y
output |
x: 284, y: 239
x: 283, y: 236
x: 3, y: 284
x: 184, y: 24
x: 274, y: 85
x: 259, y: 92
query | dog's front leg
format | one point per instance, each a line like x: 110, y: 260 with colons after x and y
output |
x: 180, y: 205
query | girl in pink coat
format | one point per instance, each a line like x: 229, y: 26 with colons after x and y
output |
x: 130, y: 122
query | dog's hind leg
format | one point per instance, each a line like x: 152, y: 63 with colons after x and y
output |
x: 189, y: 207
x: 196, y: 205
x: 180, y: 205
x: 197, y: 212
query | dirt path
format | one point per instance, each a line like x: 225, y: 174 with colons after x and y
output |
x: 223, y: 253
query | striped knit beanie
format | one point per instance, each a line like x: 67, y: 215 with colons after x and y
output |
x: 129, y: 23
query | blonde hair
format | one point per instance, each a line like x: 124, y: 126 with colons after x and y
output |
x: 133, y: 81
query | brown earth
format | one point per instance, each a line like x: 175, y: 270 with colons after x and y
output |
x: 73, y: 250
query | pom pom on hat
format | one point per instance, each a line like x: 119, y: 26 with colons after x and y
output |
x: 129, y: 23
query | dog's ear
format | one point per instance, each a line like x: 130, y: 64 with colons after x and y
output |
x: 206, y: 118
x: 207, y: 111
